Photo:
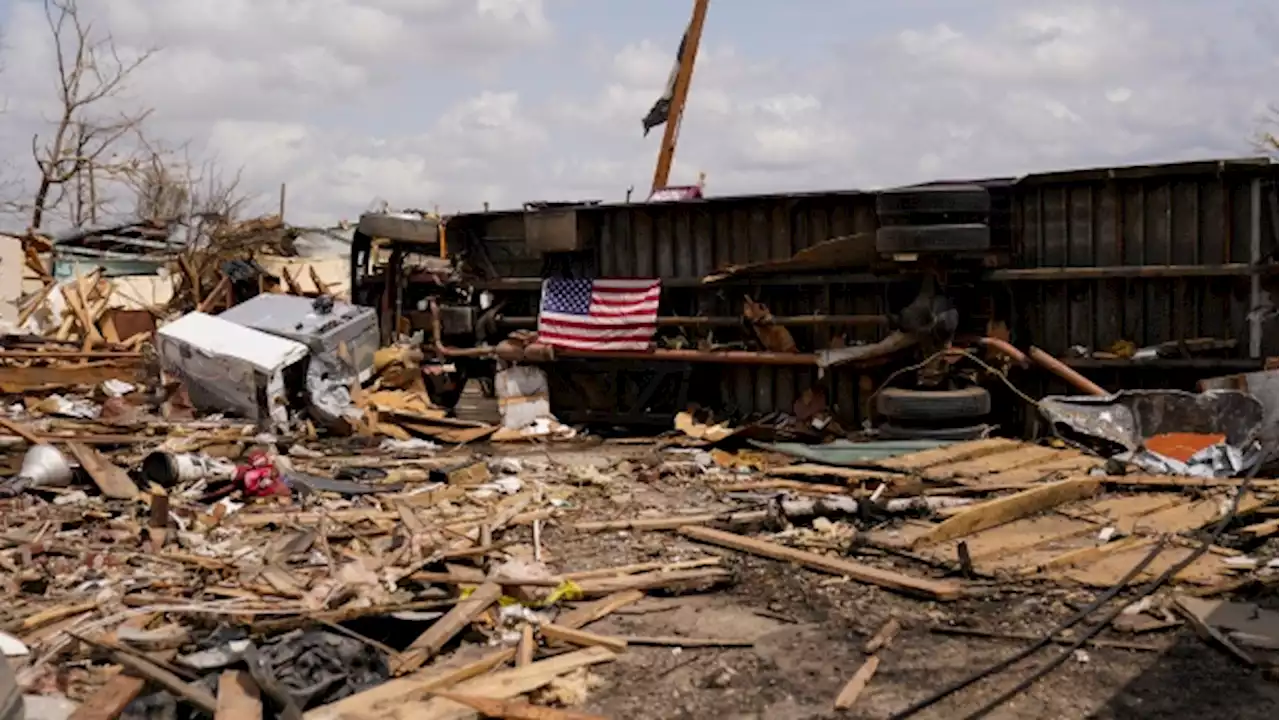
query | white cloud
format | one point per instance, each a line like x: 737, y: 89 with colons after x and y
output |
x: 455, y: 102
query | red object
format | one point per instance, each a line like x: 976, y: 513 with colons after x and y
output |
x: 259, y: 477
x: 1181, y: 446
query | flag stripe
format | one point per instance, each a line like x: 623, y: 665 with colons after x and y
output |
x: 604, y: 314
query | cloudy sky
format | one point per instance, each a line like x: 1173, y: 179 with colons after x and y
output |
x: 452, y: 103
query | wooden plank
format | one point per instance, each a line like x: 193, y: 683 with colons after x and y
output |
x: 978, y: 468
x: 238, y: 697
x: 849, y: 695
x: 113, y: 481
x: 1007, y: 509
x: 514, y: 709
x: 527, y: 646
x: 1178, y: 481
x: 20, y: 430
x: 590, y: 612
x: 674, y: 522
x: 1081, y: 556
x: 1269, y: 527
x: 651, y: 581
x: 915, y: 462
x: 15, y: 379
x: 194, y: 694
x: 376, y: 702
x: 908, y: 584
x: 443, y: 630
x: 621, y: 570
x: 502, y: 685
x: 1040, y: 472
x: 111, y: 699
x: 815, y: 470
x: 883, y: 637
x: 582, y: 638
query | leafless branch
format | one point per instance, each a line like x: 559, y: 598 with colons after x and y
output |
x: 90, y: 71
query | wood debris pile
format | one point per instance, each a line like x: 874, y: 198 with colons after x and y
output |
x: 386, y: 579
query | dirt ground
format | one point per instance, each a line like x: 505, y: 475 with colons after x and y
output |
x: 809, y: 629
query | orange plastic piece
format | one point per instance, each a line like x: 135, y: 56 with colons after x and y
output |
x: 1181, y: 446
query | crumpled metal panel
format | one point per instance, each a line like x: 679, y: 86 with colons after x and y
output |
x: 1128, y: 418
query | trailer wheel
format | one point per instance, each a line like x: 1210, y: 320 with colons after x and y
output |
x: 965, y: 237
x: 890, y: 431
x: 934, y: 200
x: 901, y: 404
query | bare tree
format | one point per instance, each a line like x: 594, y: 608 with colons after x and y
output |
x: 87, y: 135
x: 167, y: 184
x: 1266, y: 141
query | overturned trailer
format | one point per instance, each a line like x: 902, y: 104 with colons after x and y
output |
x: 1178, y: 257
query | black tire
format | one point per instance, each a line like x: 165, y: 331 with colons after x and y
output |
x: 889, y: 431
x: 399, y: 227
x: 967, y: 237
x: 900, y: 404
x: 934, y: 200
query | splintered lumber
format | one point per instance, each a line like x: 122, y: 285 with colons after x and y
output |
x: 849, y: 695
x: 113, y: 481
x: 1011, y: 459
x: 111, y: 699
x: 524, y: 651
x: 593, y: 611
x: 621, y: 570
x: 442, y: 631
x: 651, y: 581
x: 193, y: 694
x: 376, y: 702
x: 503, y: 685
x: 917, y: 461
x: 22, y: 379
x: 582, y: 638
x: 1178, y: 481
x: 1009, y: 508
x: 671, y: 523
x: 238, y: 697
x: 51, y: 615
x: 782, y: 484
x: 883, y: 637
x: 514, y: 709
x: 20, y: 430
x: 888, y: 579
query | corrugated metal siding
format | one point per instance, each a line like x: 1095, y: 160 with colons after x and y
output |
x: 1203, y: 219
x: 1192, y: 214
x: 688, y: 241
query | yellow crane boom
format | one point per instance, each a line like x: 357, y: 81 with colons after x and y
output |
x: 679, y: 93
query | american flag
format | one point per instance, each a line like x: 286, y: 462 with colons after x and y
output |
x: 599, y: 314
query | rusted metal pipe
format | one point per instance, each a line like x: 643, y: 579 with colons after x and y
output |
x: 1057, y: 367
x: 541, y: 353
x: 1005, y: 348
x: 529, y: 321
